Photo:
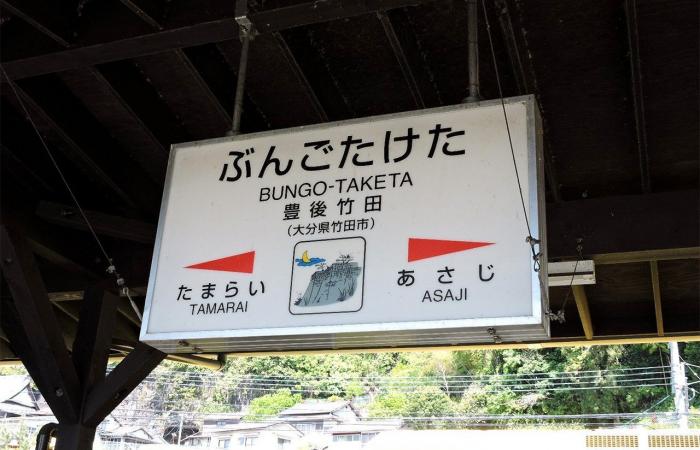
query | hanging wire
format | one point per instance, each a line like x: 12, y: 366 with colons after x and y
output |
x: 111, y: 269
x: 661, y: 359
x: 53, y: 161
x: 650, y: 408
x: 560, y: 316
x: 536, y: 255
x: 125, y: 289
x: 530, y: 239
x: 690, y: 367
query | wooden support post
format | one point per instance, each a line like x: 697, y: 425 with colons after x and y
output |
x: 36, y: 334
x: 654, y: 265
x: 583, y: 311
x: 105, y: 396
x: 92, y: 342
x: 74, y: 436
x: 75, y: 387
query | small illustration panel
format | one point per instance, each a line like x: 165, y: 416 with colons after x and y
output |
x: 327, y: 276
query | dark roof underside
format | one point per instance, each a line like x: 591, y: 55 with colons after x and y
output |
x: 111, y: 85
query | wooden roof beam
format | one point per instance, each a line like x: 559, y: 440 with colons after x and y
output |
x: 526, y: 83
x: 37, y: 18
x: 656, y: 289
x: 104, y: 224
x: 614, y: 230
x: 299, y: 74
x: 319, y: 12
x: 53, y: 132
x: 28, y: 175
x: 124, y: 329
x: 147, y: 13
x: 400, y: 55
x: 198, y: 34
x: 630, y: 223
x: 129, y: 130
x: 637, y: 93
x: 146, y: 10
x: 47, y: 19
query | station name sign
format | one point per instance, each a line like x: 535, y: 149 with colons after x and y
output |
x: 403, y: 230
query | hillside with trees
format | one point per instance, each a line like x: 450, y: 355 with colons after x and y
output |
x: 577, y: 386
x: 429, y: 389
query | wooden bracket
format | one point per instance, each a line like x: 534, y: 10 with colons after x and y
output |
x: 584, y: 311
x: 656, y: 288
x: 74, y: 386
x: 35, y: 335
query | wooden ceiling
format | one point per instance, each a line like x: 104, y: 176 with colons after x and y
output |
x: 112, y: 84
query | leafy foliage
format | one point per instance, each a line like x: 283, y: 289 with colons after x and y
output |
x: 431, y: 384
x: 271, y: 404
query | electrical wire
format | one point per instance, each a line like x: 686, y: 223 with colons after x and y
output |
x: 111, y: 269
x: 495, y: 383
x: 530, y: 239
x: 690, y: 367
x: 204, y: 372
x: 571, y: 282
x: 54, y: 162
x: 505, y: 116
x: 416, y: 380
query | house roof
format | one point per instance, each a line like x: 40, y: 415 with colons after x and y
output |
x: 16, y: 398
x: 136, y: 433
x: 367, y: 426
x: 11, y: 388
x: 243, y: 427
x: 313, y: 407
x: 223, y: 416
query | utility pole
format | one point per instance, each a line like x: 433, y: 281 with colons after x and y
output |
x: 179, y: 431
x: 680, y: 386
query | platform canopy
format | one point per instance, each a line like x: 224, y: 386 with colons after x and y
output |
x: 111, y: 85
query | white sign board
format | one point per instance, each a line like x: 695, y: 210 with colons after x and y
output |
x: 403, y: 230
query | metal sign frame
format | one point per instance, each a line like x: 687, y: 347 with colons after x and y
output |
x: 377, y: 335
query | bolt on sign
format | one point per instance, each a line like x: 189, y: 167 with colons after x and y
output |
x: 403, y: 230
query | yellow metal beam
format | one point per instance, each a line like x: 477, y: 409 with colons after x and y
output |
x: 651, y: 339
x: 657, y: 297
x: 647, y: 255
x: 584, y: 312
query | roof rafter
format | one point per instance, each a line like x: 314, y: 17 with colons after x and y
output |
x: 185, y: 69
x: 102, y: 86
x: 637, y: 93
x: 95, y: 92
x: 49, y: 128
x: 656, y: 289
x: 47, y: 24
x: 405, y: 66
x: 299, y: 74
x: 198, y: 34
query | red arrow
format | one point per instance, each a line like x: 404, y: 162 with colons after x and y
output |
x: 243, y: 263
x: 428, y: 248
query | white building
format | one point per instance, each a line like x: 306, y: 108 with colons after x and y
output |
x: 253, y: 435
x: 312, y: 416
x: 358, y: 434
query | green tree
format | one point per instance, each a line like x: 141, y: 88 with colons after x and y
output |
x: 392, y: 404
x: 16, y: 437
x: 272, y: 404
x: 417, y: 407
